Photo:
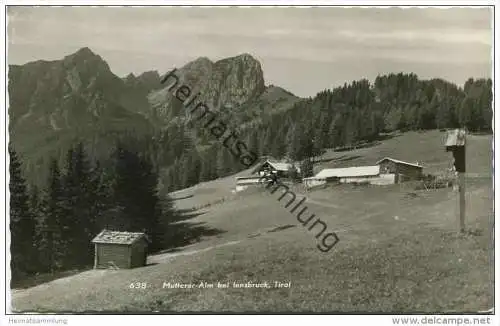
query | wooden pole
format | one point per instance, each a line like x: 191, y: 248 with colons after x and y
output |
x: 461, y: 196
x: 95, y: 256
x: 456, y: 143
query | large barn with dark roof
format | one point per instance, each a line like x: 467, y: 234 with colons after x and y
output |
x: 402, y: 171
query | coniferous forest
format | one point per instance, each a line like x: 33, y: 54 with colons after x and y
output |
x: 52, y: 228
x: 340, y: 118
x: 52, y: 224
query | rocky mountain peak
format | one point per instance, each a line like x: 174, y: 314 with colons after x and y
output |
x: 84, y: 60
x: 245, y: 59
x: 242, y: 78
x: 202, y: 61
x: 197, y: 70
x: 150, y: 77
x: 79, y: 96
x: 144, y: 83
x: 82, y: 54
x: 227, y: 83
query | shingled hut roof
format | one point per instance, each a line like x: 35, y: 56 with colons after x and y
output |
x: 116, y: 237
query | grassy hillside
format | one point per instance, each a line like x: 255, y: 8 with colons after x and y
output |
x: 427, y: 148
x: 398, y: 250
x: 208, y: 193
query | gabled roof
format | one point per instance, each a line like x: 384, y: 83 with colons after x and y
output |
x: 400, y: 162
x: 455, y: 137
x: 116, y: 237
x: 357, y: 171
x: 278, y: 166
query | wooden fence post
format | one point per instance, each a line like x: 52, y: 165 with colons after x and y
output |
x: 455, y: 143
x: 461, y: 196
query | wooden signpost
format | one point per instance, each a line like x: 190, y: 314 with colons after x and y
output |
x: 455, y: 142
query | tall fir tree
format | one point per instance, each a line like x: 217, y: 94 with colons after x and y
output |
x: 53, y: 246
x: 99, y: 198
x: 125, y: 178
x: 36, y: 206
x: 208, y: 164
x: 293, y: 140
x: 223, y: 162
x: 253, y: 142
x: 22, y: 222
x: 78, y: 203
x: 135, y: 194
x: 306, y: 168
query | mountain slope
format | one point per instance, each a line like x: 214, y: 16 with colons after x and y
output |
x: 235, y: 85
x: 391, y: 246
x: 53, y: 104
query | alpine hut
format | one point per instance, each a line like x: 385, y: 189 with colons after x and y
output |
x: 118, y: 250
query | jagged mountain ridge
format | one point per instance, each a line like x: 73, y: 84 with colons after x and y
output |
x: 66, y: 93
x: 52, y: 104
x: 227, y: 83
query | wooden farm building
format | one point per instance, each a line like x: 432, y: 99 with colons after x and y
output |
x: 369, y: 174
x: 387, y: 171
x: 281, y: 169
x: 115, y: 249
x: 402, y: 171
x: 266, y: 167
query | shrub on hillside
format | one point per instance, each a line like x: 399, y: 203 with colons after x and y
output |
x: 434, y: 182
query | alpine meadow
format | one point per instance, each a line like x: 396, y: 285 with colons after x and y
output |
x: 124, y: 199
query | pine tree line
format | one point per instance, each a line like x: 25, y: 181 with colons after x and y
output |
x: 183, y: 154
x: 342, y: 118
x: 52, y: 228
x: 82, y: 196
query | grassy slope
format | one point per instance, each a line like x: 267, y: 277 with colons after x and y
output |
x: 396, y: 252
x: 206, y: 193
x: 426, y: 148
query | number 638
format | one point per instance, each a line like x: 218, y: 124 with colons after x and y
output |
x: 138, y: 285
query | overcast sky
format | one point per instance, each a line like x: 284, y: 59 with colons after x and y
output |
x: 304, y: 50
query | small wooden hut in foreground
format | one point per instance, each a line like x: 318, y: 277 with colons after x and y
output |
x: 118, y: 250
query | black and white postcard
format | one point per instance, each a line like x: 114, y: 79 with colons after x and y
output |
x: 251, y: 160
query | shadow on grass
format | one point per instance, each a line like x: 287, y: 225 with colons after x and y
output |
x: 182, y: 232
x: 359, y: 146
x: 367, y: 144
x: 382, y: 137
x: 281, y: 228
x: 34, y: 280
x: 181, y: 197
x: 340, y: 159
x: 186, y: 214
x: 169, y: 251
x: 346, y: 158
